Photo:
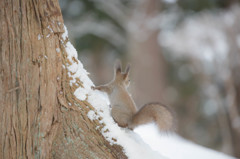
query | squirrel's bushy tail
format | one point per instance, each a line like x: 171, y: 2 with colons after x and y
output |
x: 154, y: 112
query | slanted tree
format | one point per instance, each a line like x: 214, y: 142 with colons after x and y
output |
x: 35, y: 94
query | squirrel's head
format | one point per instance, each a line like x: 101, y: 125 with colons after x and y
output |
x: 121, y: 78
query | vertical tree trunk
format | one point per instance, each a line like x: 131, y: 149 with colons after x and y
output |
x: 233, y: 83
x: 35, y: 120
x: 148, y: 62
x: 233, y: 88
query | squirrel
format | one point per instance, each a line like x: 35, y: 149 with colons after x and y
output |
x: 124, y: 110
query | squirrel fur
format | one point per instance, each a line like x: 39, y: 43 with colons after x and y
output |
x: 124, y: 110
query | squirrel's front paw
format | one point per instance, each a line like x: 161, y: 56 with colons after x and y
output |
x: 93, y: 87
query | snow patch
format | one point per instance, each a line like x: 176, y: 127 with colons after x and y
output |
x: 58, y: 50
x: 50, y: 28
x: 39, y: 36
x: 92, y: 115
x: 175, y: 147
x: 65, y: 34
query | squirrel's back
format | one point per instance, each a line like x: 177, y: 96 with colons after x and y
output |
x: 124, y: 110
x: 123, y: 107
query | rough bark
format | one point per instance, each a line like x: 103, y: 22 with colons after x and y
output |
x: 36, y: 121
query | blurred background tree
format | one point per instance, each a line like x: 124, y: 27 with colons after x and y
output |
x: 184, y: 53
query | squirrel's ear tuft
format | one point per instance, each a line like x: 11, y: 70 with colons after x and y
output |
x: 128, y: 68
x: 127, y: 71
x: 118, y: 66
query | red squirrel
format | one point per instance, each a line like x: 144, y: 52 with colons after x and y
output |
x: 124, y: 110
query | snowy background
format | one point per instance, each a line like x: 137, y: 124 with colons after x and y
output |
x: 185, y: 54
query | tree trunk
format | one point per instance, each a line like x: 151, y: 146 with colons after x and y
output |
x: 147, y: 59
x: 233, y: 84
x: 36, y: 121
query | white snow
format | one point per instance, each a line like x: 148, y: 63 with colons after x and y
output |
x: 65, y: 34
x: 50, y: 28
x: 39, y: 36
x: 175, y: 147
x: 133, y: 144
x: 58, y: 50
